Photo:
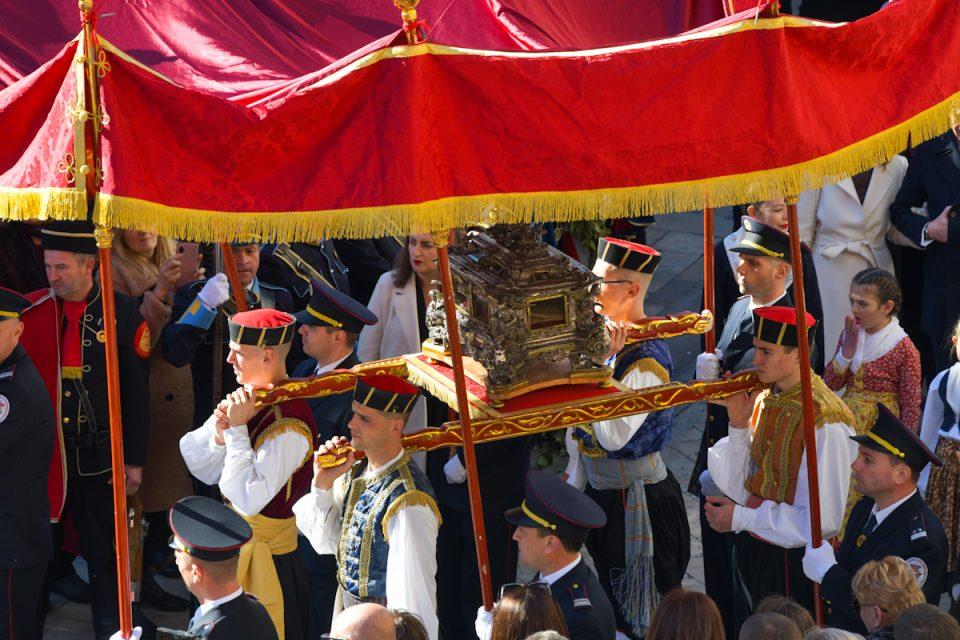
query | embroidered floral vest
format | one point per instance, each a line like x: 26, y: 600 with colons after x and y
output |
x: 369, y: 506
x: 271, y: 422
x: 657, y: 429
x: 777, y: 445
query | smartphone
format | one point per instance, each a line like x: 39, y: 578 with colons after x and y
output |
x: 189, y: 260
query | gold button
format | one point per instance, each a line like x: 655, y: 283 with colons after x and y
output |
x: 66, y: 394
x: 710, y: 418
x: 575, y: 585
x: 66, y: 420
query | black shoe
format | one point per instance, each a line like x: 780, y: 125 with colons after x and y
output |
x: 72, y: 588
x: 152, y: 595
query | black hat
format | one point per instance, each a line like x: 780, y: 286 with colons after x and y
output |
x: 12, y: 304
x: 386, y: 393
x: 261, y: 327
x: 68, y: 235
x: 779, y: 325
x: 628, y: 255
x: 552, y: 504
x: 761, y: 239
x: 207, y: 529
x: 331, y: 308
x: 889, y: 435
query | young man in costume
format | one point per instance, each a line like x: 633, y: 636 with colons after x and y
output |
x: 260, y: 458
x: 620, y: 461
x: 378, y: 515
x: 329, y: 327
x: 762, y: 273
x: 890, y: 520
x: 759, y: 470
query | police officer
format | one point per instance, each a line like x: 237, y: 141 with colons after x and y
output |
x: 329, y: 327
x: 207, y: 536
x: 69, y: 254
x: 890, y: 519
x: 26, y: 445
x: 552, y: 524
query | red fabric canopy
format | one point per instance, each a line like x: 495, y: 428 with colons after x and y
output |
x: 234, y: 47
x: 428, y: 137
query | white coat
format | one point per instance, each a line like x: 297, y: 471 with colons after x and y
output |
x: 847, y: 237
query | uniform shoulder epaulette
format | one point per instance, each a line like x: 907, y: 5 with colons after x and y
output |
x: 917, y: 528
x: 7, y: 374
x: 579, y: 596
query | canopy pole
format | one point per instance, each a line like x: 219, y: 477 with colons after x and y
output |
x: 463, y: 407
x: 709, y: 295
x: 104, y: 236
x: 230, y: 266
x: 809, y: 431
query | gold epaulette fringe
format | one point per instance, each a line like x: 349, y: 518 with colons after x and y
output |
x: 415, y: 498
x: 648, y: 365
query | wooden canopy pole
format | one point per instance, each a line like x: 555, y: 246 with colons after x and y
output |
x: 91, y: 116
x: 230, y: 267
x: 463, y: 407
x: 809, y: 432
x: 709, y: 295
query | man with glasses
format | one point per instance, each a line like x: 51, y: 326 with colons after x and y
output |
x: 890, y: 519
x: 645, y: 544
x: 552, y: 523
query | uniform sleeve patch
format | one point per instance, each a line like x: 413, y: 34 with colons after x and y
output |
x: 141, y: 341
x: 919, y: 569
x: 4, y: 408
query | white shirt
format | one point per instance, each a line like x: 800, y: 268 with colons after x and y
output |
x: 329, y: 367
x: 782, y: 524
x: 930, y: 425
x: 615, y: 433
x: 205, y: 608
x: 248, y: 479
x: 882, y: 514
x: 550, y: 578
x: 411, y: 559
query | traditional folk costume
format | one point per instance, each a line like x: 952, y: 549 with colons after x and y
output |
x: 84, y: 415
x: 645, y: 546
x: 328, y: 307
x: 262, y: 469
x: 884, y: 368
x: 941, y: 431
x: 906, y: 529
x: 763, y: 469
x: 381, y: 523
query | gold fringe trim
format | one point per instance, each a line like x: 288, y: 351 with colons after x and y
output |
x: 415, y: 498
x: 436, y: 215
x: 71, y: 373
x: 42, y: 204
x: 441, y: 391
x: 286, y: 425
x: 648, y: 365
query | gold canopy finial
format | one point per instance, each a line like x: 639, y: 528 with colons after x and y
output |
x: 411, y: 26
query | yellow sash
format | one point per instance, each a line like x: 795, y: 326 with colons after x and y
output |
x: 256, y: 572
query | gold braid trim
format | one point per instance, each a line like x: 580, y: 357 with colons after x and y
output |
x: 415, y: 498
x: 648, y: 365
x: 280, y: 427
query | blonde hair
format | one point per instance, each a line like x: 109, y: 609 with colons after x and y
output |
x: 889, y: 584
x: 166, y: 247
